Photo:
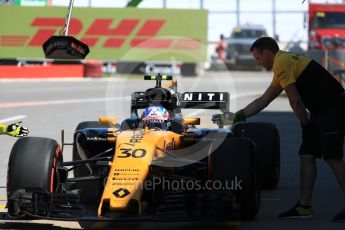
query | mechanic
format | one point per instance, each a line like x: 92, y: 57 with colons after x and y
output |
x: 309, y: 87
x: 14, y: 130
x: 156, y: 117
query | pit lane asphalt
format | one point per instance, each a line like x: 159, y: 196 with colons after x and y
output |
x: 48, y: 106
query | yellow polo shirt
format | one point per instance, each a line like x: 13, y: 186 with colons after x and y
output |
x: 287, y: 67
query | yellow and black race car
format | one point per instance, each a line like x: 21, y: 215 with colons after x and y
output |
x: 155, y: 165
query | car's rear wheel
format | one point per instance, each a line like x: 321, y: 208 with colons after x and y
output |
x: 266, y: 138
x: 32, y: 164
x: 234, y: 163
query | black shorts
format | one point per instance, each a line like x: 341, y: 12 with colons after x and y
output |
x: 326, y: 138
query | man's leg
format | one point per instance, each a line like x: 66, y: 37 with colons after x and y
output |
x: 338, y: 168
x: 309, y: 149
x: 333, y: 142
x: 308, y: 174
x: 302, y: 209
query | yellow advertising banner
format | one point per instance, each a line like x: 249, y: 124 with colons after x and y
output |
x: 128, y: 34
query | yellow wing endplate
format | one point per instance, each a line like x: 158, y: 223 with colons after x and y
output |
x: 108, y: 120
x: 191, y: 120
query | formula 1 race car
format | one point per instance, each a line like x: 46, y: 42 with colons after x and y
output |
x: 155, y: 166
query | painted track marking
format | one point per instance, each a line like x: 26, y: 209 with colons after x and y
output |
x: 14, y: 118
x: 57, y: 102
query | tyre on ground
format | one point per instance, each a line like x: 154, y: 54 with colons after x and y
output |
x: 266, y: 138
x: 32, y: 164
x: 235, y: 160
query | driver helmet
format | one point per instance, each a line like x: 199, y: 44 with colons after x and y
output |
x: 156, y: 117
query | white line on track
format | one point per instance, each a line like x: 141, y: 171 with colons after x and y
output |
x: 251, y: 94
x: 14, y: 118
x: 57, y: 102
x: 88, y: 100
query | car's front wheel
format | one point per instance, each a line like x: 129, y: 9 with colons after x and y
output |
x: 33, y: 164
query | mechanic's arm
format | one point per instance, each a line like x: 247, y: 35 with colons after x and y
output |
x: 3, y: 129
x: 296, y: 103
x: 14, y: 130
x: 262, y: 102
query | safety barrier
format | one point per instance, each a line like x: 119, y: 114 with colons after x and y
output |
x: 42, y: 71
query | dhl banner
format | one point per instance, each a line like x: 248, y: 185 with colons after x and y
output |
x: 129, y: 34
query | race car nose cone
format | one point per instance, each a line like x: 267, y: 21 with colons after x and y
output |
x: 65, y: 47
x: 121, y: 193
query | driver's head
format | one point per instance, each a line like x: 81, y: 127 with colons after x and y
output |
x: 155, y: 117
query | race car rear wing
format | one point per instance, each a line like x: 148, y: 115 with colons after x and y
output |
x: 206, y: 100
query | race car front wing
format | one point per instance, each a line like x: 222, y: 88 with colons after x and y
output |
x: 41, y: 204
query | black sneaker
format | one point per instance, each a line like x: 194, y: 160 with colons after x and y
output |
x: 298, y: 212
x: 340, y: 217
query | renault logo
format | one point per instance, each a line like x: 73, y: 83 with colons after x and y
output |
x: 121, y: 193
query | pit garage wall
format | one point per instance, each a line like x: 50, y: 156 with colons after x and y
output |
x: 120, y: 35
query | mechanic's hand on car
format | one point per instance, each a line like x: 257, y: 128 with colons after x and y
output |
x: 239, y: 116
x: 222, y: 119
x: 16, y: 130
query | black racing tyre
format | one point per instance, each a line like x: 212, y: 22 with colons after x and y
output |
x: 235, y: 160
x: 266, y: 137
x: 32, y: 164
x: 89, y: 190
